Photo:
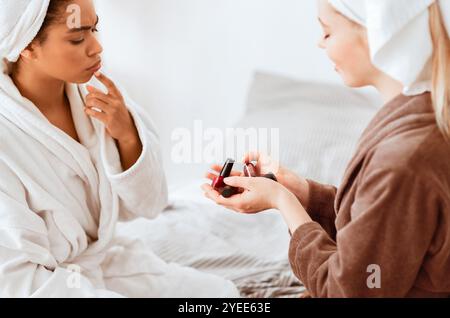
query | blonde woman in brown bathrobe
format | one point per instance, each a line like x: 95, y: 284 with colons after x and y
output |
x: 385, y: 232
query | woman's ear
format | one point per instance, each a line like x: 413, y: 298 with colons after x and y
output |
x: 29, y: 52
x: 26, y: 54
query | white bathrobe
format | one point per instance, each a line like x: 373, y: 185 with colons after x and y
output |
x: 61, y: 200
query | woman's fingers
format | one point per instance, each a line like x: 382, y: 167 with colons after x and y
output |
x: 211, y: 176
x: 95, y: 114
x: 210, y: 192
x: 264, y: 162
x: 214, y: 195
x: 232, y: 202
x: 92, y: 102
x: 109, y: 84
x: 235, y: 203
x: 239, y: 182
x: 92, y: 89
x: 96, y: 93
x: 216, y: 168
x: 251, y: 156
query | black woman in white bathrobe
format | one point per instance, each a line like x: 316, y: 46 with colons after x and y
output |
x: 74, y: 160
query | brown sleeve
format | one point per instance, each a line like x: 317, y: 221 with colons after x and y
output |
x: 394, y: 217
x: 321, y: 206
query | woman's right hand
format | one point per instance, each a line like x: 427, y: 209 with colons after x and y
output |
x: 293, y: 182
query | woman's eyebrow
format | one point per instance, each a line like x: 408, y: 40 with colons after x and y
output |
x: 83, y: 28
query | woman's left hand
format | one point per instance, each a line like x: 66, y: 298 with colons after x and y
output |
x: 259, y: 194
x: 114, y: 113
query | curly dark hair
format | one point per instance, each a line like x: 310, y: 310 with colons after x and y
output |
x: 54, y: 15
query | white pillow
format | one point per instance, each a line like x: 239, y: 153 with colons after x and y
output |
x: 319, y: 124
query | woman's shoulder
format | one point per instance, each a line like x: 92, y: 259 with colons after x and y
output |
x: 422, y: 152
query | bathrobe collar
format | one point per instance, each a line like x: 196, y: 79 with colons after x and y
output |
x: 26, y: 115
x: 85, y: 159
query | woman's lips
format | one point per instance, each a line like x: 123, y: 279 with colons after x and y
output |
x: 97, y: 66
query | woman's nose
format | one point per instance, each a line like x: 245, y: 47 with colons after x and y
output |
x: 96, y: 48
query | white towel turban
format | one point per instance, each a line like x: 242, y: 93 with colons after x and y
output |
x: 399, y: 37
x: 20, y: 22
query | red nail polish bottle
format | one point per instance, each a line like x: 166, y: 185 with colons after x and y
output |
x: 218, y: 183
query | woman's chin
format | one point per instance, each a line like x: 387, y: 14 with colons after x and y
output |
x: 83, y: 79
x: 352, y: 82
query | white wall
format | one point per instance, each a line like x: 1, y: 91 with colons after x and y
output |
x: 193, y: 59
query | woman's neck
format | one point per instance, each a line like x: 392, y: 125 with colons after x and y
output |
x: 388, y: 87
x: 43, y: 91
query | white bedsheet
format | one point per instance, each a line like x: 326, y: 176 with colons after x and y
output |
x: 251, y: 250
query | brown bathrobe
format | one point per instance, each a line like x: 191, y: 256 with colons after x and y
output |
x: 386, y: 231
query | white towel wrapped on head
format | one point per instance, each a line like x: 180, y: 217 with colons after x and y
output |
x: 20, y: 22
x: 399, y: 36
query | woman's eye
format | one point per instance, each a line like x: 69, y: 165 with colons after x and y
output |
x: 76, y: 42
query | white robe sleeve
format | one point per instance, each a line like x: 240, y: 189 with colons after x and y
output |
x: 27, y: 266
x: 142, y: 189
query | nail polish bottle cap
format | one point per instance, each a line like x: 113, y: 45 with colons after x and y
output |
x: 227, y: 168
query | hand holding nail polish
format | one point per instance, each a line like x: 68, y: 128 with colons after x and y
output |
x: 244, y: 192
x: 228, y: 191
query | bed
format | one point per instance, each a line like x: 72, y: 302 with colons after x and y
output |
x: 319, y: 129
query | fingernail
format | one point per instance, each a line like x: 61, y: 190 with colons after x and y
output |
x: 97, y: 74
